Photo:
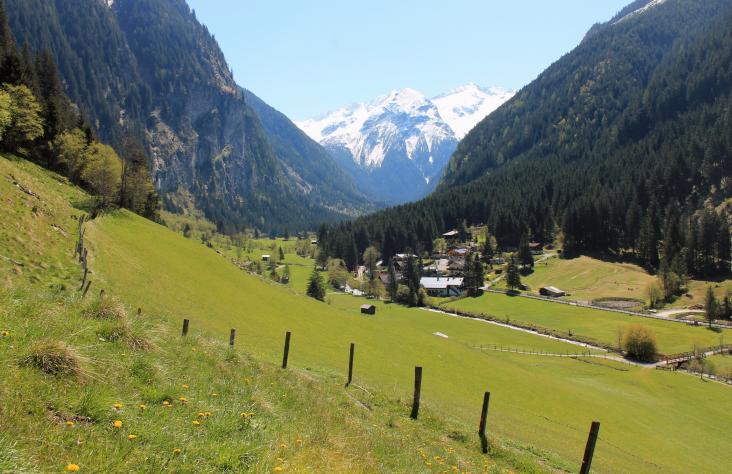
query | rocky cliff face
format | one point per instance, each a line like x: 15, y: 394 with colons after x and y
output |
x: 150, y: 69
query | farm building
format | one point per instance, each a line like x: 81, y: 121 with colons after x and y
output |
x: 453, y: 234
x: 368, y: 309
x: 442, y: 286
x: 265, y: 258
x: 551, y: 291
x: 536, y: 248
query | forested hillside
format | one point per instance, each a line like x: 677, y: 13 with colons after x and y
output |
x: 149, y: 69
x: 623, y: 145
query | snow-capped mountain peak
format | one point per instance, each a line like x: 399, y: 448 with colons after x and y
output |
x: 397, y: 145
x: 464, y: 107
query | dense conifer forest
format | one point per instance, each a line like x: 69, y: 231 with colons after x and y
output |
x: 622, y: 146
x: 39, y: 122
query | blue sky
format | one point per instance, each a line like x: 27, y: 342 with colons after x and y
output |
x: 307, y: 57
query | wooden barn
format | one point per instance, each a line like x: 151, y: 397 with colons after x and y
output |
x: 368, y: 309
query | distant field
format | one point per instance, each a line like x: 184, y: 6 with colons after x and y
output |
x: 601, y: 326
x: 722, y: 364
x: 696, y: 292
x: 544, y: 402
x: 587, y: 278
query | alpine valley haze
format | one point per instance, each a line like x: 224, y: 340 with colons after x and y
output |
x: 529, y: 273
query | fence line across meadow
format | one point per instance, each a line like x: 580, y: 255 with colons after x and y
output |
x: 587, y: 457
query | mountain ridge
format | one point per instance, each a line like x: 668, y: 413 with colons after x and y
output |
x: 396, y: 146
x: 149, y: 69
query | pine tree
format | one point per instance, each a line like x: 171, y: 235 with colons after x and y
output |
x: 524, y: 253
x: 710, y: 306
x: 513, y: 277
x: 393, y: 285
x: 487, y: 251
x: 281, y: 254
x: 316, y: 287
x: 478, y: 275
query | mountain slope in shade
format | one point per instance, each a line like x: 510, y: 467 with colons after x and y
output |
x: 148, y: 68
x: 311, y: 167
x: 397, y: 146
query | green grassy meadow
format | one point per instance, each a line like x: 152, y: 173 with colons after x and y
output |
x: 547, y: 403
x: 72, y: 368
x: 541, y: 407
x: 587, y: 278
x: 592, y: 324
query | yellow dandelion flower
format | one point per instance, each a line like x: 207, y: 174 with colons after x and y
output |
x: 299, y: 441
x: 182, y: 399
x: 142, y: 406
x: 427, y: 463
x: 279, y: 469
x: 5, y: 333
x: 118, y: 406
x: 69, y: 423
x: 283, y: 446
x: 214, y: 394
x: 72, y: 467
x: 185, y: 385
x: 195, y: 423
x: 166, y: 403
x: 131, y: 437
x: 208, y: 413
x: 117, y: 423
x: 176, y: 451
x: 201, y: 414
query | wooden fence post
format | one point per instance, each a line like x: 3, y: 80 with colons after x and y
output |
x: 83, y: 280
x: 590, y: 447
x: 101, y: 293
x: 483, y: 420
x: 287, y: 350
x: 232, y: 336
x: 88, y: 284
x: 350, y: 364
x: 185, y: 327
x: 417, y: 392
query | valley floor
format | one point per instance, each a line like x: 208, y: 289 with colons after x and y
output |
x: 541, y: 407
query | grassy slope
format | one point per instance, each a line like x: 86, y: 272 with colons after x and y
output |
x: 35, y: 230
x: 544, y: 402
x: 587, y: 278
x: 602, y: 326
x: 38, y: 301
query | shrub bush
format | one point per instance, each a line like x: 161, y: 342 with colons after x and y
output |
x: 640, y: 344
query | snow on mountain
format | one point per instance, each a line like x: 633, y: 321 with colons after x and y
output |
x: 397, y: 146
x: 400, y: 118
x: 465, y: 106
x: 648, y: 6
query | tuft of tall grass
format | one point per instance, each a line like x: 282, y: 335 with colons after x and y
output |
x: 105, y: 308
x: 54, y: 358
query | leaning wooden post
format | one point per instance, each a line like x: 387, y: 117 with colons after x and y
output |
x: 83, y: 280
x: 88, y: 284
x: 417, y: 392
x: 287, y: 350
x: 232, y: 336
x: 350, y: 364
x: 483, y: 420
x: 185, y: 327
x: 590, y: 447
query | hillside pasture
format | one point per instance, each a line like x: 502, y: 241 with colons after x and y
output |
x: 547, y: 403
